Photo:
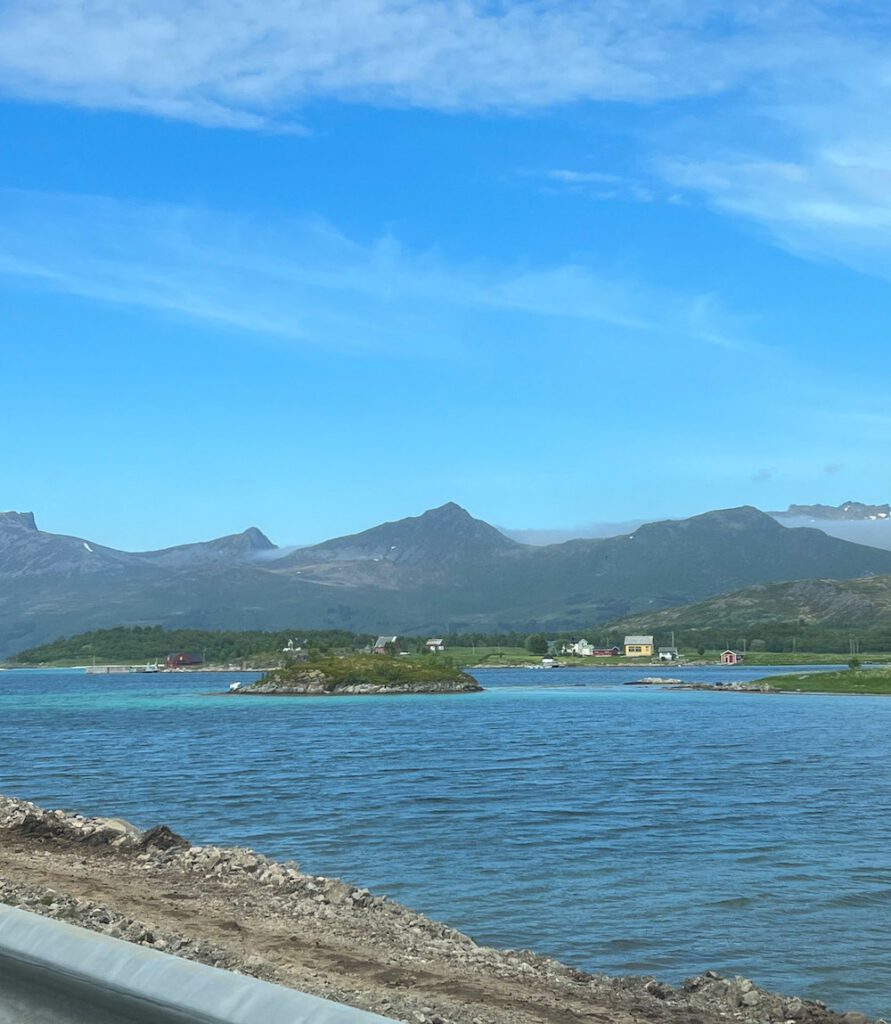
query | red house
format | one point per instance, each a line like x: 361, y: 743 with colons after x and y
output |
x: 605, y: 652
x: 731, y: 657
x: 183, y: 658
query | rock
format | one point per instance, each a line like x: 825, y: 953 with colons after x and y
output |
x: 794, y: 1008
x: 162, y: 838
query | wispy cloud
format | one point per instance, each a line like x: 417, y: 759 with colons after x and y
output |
x: 228, y: 62
x: 308, y: 283
x: 603, y: 186
x: 558, y: 535
x: 807, y: 79
x: 806, y: 153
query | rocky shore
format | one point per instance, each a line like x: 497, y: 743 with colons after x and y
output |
x: 313, y: 683
x: 237, y: 909
x: 753, y: 686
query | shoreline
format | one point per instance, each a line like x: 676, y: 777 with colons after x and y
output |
x: 237, y: 909
x: 350, y: 693
x: 575, y: 663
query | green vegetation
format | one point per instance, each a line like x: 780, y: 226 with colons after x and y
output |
x: 865, y: 681
x: 375, y: 669
x: 484, y: 655
x: 146, y: 644
x: 143, y: 644
x: 822, y: 616
x: 537, y: 643
x: 805, y: 658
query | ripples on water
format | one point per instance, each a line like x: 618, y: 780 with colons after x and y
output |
x: 621, y: 829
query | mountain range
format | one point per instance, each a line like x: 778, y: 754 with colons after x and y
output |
x: 848, y: 510
x: 440, y: 571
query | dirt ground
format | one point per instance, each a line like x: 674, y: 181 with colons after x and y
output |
x: 239, y: 910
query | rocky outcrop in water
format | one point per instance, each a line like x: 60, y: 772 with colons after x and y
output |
x: 362, y: 674
x: 313, y: 683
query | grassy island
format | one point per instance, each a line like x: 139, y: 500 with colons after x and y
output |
x: 849, y: 680
x: 363, y: 674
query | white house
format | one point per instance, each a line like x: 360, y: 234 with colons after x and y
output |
x: 380, y: 645
x: 435, y: 644
x: 579, y: 647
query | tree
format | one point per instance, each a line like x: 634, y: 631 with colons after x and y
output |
x: 536, y: 643
x: 854, y: 663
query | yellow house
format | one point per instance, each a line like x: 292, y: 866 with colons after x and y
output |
x: 638, y: 647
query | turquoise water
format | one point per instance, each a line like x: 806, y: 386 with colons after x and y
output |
x: 623, y: 829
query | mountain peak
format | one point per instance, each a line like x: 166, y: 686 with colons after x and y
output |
x: 448, y: 533
x: 24, y: 520
x: 741, y: 515
x: 256, y: 540
x: 744, y: 517
x: 450, y: 510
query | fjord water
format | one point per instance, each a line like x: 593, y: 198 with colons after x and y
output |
x: 622, y: 829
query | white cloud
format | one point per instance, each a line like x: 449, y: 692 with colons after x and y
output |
x: 237, y: 63
x: 794, y: 134
x: 807, y: 153
x: 307, y: 283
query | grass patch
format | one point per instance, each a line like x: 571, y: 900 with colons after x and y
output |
x: 481, y: 655
x: 864, y: 680
x: 805, y: 658
x: 376, y: 669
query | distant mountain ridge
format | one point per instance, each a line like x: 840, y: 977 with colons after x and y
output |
x: 26, y: 550
x: 443, y: 570
x: 851, y: 510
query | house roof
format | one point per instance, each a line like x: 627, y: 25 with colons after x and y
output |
x: 668, y: 650
x: 435, y: 640
x: 382, y: 640
x: 639, y: 640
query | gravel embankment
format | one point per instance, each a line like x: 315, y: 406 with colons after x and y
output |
x: 237, y: 909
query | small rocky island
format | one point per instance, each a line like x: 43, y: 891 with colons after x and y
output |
x: 362, y: 674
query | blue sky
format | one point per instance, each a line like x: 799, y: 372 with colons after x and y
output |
x: 311, y: 266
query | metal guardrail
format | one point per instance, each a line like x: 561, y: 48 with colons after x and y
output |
x: 55, y: 972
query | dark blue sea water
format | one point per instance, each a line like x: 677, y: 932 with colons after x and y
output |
x: 619, y: 828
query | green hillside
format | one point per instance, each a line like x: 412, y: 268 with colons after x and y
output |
x: 812, y: 615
